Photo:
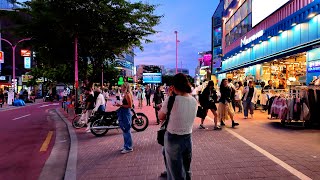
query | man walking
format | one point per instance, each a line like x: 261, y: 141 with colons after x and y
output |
x: 148, y: 95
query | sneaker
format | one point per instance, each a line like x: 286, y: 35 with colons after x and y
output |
x: 222, y: 123
x: 246, y: 117
x: 217, y: 128
x: 125, y: 151
x: 201, y: 126
x: 234, y: 124
x: 122, y: 149
x: 163, y: 174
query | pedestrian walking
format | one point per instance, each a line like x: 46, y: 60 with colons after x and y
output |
x: 124, y: 116
x: 208, y: 99
x: 249, y: 99
x: 225, y: 106
x: 148, y: 93
x: 177, y: 140
x: 106, y: 96
x: 1, y: 98
x: 238, y: 97
x: 158, y: 98
x: 233, y: 93
x: 89, y: 106
x: 194, y: 91
x: 141, y: 96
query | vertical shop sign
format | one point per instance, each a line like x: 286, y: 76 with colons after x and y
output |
x: 27, y: 62
x: 1, y: 57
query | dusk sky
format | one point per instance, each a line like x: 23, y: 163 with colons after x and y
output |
x: 192, y: 19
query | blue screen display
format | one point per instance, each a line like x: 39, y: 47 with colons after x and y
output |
x: 152, y: 78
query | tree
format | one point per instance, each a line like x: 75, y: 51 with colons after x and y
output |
x: 104, y: 28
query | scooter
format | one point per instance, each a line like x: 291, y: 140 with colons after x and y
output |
x: 102, y: 122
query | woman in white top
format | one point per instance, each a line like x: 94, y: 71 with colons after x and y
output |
x: 100, y: 101
x: 177, y: 140
x: 250, y: 98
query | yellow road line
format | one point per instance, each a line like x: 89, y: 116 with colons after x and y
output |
x: 46, y: 142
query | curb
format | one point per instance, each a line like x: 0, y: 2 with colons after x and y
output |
x: 71, y: 169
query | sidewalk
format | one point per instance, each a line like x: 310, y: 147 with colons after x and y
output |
x: 216, y: 154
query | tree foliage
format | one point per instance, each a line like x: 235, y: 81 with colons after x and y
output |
x: 104, y: 28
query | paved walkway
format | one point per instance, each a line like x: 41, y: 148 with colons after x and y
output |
x: 216, y: 154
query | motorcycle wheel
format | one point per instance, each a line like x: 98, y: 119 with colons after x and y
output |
x: 96, y: 132
x: 76, y: 123
x: 140, y: 123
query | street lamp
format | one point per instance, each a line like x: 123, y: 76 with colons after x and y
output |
x: 177, y: 41
x: 13, y: 46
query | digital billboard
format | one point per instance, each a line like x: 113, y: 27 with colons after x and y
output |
x: 261, y: 9
x: 152, y: 78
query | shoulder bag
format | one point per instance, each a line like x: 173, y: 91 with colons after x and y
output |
x: 163, y: 129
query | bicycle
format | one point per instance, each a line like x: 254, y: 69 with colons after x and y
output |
x: 77, y: 121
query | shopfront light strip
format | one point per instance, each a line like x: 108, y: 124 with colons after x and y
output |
x: 280, y: 31
x: 294, y: 24
x: 312, y: 15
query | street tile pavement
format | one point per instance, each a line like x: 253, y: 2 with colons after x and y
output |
x: 296, y: 146
x: 216, y: 154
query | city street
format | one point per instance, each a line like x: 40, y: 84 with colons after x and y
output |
x: 27, y: 135
x: 258, y: 148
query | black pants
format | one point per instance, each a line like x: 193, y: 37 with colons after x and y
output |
x: 157, y: 113
x: 148, y: 100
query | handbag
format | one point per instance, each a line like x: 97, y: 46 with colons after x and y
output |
x: 201, y: 112
x: 163, y: 128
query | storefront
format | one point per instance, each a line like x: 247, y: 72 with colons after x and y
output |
x: 287, y: 52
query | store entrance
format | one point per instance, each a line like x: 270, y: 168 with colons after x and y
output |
x: 286, y: 72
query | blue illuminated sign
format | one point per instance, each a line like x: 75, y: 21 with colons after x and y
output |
x: 27, y: 62
x: 314, y: 66
x: 152, y: 78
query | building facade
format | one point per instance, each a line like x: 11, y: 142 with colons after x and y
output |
x: 216, y: 37
x: 125, y: 64
x: 277, y: 41
x: 172, y: 72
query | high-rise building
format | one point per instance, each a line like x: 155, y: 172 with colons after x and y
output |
x: 125, y: 63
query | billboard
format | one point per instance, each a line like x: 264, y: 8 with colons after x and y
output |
x: 152, y: 78
x: 25, y: 53
x: 261, y: 9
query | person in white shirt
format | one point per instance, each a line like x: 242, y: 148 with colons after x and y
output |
x: 100, y: 101
x: 177, y: 140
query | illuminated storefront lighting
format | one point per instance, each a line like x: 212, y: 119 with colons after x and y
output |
x: 280, y: 31
x: 294, y: 24
x: 312, y: 15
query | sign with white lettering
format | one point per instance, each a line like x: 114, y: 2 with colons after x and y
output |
x: 246, y: 41
x: 27, y: 62
x: 314, y: 66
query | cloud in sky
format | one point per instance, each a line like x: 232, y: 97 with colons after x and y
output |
x: 192, y: 20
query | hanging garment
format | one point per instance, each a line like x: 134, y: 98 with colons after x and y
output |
x: 263, y: 99
x: 312, y: 105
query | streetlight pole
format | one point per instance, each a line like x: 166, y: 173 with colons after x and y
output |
x: 76, y: 78
x: 176, y: 32
x: 14, y: 58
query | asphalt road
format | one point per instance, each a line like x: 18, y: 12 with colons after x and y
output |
x: 27, y: 136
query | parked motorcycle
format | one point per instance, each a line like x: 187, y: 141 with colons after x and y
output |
x: 101, y: 123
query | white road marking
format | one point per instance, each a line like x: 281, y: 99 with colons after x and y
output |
x: 21, y: 117
x: 286, y: 166
x: 46, y: 105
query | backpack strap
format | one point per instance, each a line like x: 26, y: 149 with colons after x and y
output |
x: 170, y: 105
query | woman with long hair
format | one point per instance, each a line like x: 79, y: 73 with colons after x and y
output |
x: 124, y: 117
x: 225, y: 103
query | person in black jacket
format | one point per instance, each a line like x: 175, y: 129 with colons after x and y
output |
x: 158, y: 98
x: 225, y: 105
x: 208, y: 100
x: 148, y: 95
